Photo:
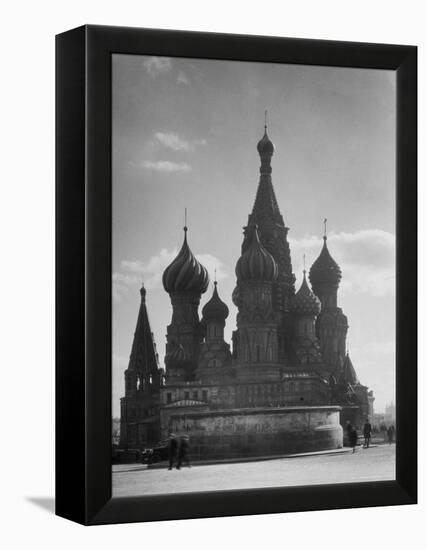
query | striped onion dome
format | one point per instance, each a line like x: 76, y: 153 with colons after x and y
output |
x: 325, y: 269
x: 185, y: 273
x: 215, y: 309
x: 305, y: 302
x: 237, y: 300
x: 256, y: 264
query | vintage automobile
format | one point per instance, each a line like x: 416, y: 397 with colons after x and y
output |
x: 155, y: 454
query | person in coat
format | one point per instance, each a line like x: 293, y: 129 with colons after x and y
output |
x: 348, y: 429
x: 172, y: 449
x: 353, y: 439
x: 367, y: 429
x: 390, y: 434
x: 183, y: 451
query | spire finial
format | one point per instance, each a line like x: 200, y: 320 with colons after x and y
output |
x: 324, y: 229
x: 142, y: 291
x: 215, y: 281
x: 185, y: 220
x: 303, y: 261
x: 265, y: 119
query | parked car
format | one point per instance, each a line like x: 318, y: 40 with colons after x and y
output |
x: 155, y: 454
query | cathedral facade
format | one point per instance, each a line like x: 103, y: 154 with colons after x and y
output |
x: 285, y: 383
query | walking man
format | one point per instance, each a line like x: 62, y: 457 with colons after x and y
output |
x: 353, y: 438
x: 183, y: 452
x: 390, y: 434
x: 172, y: 449
x: 367, y: 429
x: 348, y: 429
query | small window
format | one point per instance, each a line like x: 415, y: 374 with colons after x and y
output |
x: 205, y: 395
x: 168, y: 398
x: 195, y: 395
x: 186, y: 395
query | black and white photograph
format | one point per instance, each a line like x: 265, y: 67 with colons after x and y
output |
x: 214, y: 257
x: 253, y: 275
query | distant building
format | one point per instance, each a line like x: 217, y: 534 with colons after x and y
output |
x: 390, y: 414
x: 288, y: 352
x: 115, y: 431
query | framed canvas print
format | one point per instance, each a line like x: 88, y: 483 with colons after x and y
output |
x: 236, y: 275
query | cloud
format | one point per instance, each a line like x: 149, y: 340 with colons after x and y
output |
x: 121, y: 284
x: 182, y: 78
x: 367, y: 259
x: 166, y: 166
x: 157, y: 65
x: 150, y: 273
x: 212, y: 263
x: 176, y: 143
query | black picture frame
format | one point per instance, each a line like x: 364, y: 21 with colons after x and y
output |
x: 83, y: 274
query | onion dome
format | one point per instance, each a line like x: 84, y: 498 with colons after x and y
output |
x: 215, y: 309
x: 256, y: 264
x: 325, y: 269
x: 265, y: 145
x: 305, y: 302
x: 185, y: 273
x: 236, y: 298
x: 176, y: 356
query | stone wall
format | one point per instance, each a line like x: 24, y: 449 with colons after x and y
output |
x: 257, y: 432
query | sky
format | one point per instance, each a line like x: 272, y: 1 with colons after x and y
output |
x: 184, y: 136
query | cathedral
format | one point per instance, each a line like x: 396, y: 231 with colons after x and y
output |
x: 286, y: 382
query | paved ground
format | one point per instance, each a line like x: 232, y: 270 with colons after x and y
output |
x: 374, y: 464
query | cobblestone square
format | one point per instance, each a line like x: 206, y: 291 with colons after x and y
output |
x: 373, y: 464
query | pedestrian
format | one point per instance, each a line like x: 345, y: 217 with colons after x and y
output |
x: 172, y: 449
x: 348, y: 429
x: 390, y: 434
x: 353, y: 439
x: 183, y: 452
x: 367, y: 429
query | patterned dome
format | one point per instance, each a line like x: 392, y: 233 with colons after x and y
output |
x: 176, y: 356
x: 185, y: 273
x: 305, y: 302
x: 215, y: 309
x: 265, y: 145
x: 256, y: 264
x: 325, y: 269
x: 237, y: 300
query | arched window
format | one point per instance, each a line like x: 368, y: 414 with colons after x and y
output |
x: 258, y: 354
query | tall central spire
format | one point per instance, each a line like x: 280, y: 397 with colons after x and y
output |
x: 271, y: 228
x: 265, y: 208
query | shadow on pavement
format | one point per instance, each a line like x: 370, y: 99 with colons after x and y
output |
x: 47, y: 503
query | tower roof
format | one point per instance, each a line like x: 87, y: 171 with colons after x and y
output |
x: 256, y: 263
x: 265, y: 206
x: 348, y: 371
x: 325, y: 269
x: 185, y: 273
x: 305, y: 302
x: 215, y: 309
x: 143, y: 357
x: 176, y: 356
